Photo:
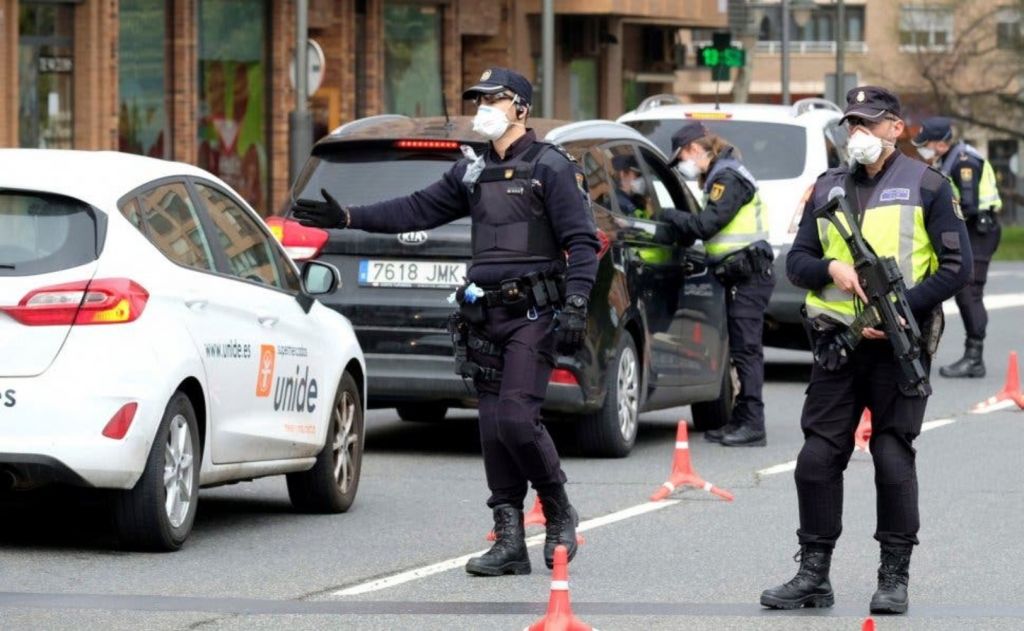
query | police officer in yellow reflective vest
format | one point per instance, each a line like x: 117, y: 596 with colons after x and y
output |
x: 906, y: 210
x: 734, y: 227
x: 974, y: 181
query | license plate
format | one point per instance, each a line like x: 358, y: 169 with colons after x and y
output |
x: 411, y: 273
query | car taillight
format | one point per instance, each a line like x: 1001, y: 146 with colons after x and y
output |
x: 119, y: 423
x: 564, y: 377
x: 605, y: 243
x: 435, y: 145
x: 99, y: 301
x: 300, y: 242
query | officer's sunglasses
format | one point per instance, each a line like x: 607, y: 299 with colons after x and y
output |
x: 867, y: 123
x: 491, y: 99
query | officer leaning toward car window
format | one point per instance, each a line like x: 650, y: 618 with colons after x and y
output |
x: 974, y: 181
x: 734, y: 227
x: 891, y: 195
x: 631, y: 186
x: 534, y: 263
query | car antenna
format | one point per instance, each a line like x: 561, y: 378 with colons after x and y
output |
x: 444, y: 106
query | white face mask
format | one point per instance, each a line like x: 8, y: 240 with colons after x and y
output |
x: 490, y: 122
x: 864, y: 147
x: 689, y: 169
x: 638, y: 186
x: 926, y: 153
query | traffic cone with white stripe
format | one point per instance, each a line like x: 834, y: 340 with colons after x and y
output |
x: 559, y: 616
x: 682, y: 471
x: 869, y: 625
x: 862, y: 435
x: 1006, y: 397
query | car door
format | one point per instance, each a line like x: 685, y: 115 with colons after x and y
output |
x: 691, y: 312
x: 281, y: 397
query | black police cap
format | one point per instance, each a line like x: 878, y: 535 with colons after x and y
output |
x: 496, y: 79
x: 624, y: 163
x: 871, y: 102
x: 687, y: 133
x: 934, y: 128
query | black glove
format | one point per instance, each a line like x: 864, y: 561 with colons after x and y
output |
x: 986, y: 222
x: 326, y: 214
x: 830, y: 352
x: 570, y: 324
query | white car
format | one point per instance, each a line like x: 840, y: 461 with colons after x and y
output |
x: 786, y: 148
x: 157, y: 339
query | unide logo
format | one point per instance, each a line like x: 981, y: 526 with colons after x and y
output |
x: 265, y: 376
x: 295, y: 393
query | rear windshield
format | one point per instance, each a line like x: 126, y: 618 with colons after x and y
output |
x: 42, y: 233
x: 761, y: 144
x: 356, y: 174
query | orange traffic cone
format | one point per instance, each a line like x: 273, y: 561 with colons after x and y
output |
x: 682, y: 471
x: 863, y: 432
x: 869, y: 624
x: 1006, y: 397
x: 534, y: 518
x: 559, y: 616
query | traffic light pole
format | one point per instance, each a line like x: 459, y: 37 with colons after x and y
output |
x: 785, y: 53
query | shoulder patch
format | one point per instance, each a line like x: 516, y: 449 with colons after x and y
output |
x: 717, y: 190
x: 580, y: 182
x: 966, y: 173
x: 959, y: 212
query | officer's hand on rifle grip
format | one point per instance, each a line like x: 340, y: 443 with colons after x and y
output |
x: 845, y: 278
x: 326, y: 214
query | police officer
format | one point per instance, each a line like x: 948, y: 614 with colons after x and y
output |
x: 534, y: 263
x: 891, y: 195
x: 734, y: 227
x: 975, y: 182
x: 631, y: 186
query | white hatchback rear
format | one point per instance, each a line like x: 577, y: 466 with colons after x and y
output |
x: 157, y: 339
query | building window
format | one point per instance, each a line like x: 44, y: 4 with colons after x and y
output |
x: 929, y: 28
x: 45, y: 75
x: 412, y: 59
x: 1009, y: 29
x: 233, y: 101
x: 819, y: 28
x: 583, y: 88
x: 142, y: 74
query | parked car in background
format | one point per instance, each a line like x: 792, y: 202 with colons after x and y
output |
x: 786, y: 148
x: 656, y: 334
x: 157, y: 339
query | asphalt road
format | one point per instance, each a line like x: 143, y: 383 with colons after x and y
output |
x: 694, y: 562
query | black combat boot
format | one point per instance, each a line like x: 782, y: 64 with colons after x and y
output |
x: 970, y: 365
x: 809, y: 588
x: 893, y: 576
x: 715, y: 435
x: 508, y: 555
x: 560, y: 521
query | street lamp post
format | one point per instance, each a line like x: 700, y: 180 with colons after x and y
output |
x: 300, y: 120
x: 548, y: 59
x: 801, y: 11
x: 840, y: 47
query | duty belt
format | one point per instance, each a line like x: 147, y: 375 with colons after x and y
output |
x: 539, y: 289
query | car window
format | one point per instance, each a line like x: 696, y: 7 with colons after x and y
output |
x: 836, y: 137
x: 130, y: 209
x: 670, y: 193
x: 595, y: 169
x: 250, y: 252
x: 41, y: 233
x: 173, y: 226
x: 626, y: 171
x: 760, y: 143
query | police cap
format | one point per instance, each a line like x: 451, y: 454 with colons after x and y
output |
x: 934, y: 128
x: 871, y: 102
x: 496, y: 79
x: 625, y: 163
x: 687, y: 133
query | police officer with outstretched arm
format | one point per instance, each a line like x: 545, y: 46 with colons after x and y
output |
x: 974, y: 180
x: 534, y: 262
x: 906, y: 211
x: 734, y: 227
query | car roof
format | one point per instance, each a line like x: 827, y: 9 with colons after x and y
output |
x: 667, y: 106
x: 98, y: 178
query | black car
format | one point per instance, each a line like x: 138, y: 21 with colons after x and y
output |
x: 656, y: 336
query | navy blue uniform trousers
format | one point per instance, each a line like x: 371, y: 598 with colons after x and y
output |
x: 970, y: 298
x: 745, y: 305
x: 832, y: 410
x: 516, y: 446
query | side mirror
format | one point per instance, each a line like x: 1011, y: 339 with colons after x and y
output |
x: 319, y: 278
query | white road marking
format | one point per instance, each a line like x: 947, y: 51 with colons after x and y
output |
x: 987, y: 408
x: 450, y: 564
x: 994, y: 301
x: 791, y: 465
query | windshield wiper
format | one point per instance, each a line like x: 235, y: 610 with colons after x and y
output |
x: 7, y: 266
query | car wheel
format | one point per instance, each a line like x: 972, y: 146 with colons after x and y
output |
x: 714, y: 414
x: 611, y: 431
x: 158, y: 513
x: 331, y: 485
x: 422, y: 412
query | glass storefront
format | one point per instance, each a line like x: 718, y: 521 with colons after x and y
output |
x: 142, y: 74
x: 45, y: 67
x: 412, y: 59
x: 233, y: 107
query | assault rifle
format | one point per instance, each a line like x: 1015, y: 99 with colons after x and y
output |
x: 882, y: 282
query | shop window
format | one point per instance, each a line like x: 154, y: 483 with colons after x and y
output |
x: 142, y: 123
x: 412, y: 59
x: 233, y: 100
x: 45, y: 75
